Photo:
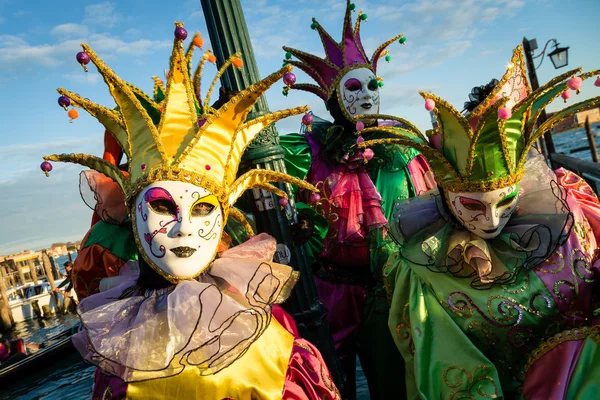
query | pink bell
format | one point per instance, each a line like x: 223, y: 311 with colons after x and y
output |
x: 315, y: 197
x: 360, y: 126
x: 565, y: 95
x: 360, y: 139
x: 368, y: 154
x: 575, y: 83
x: 597, y: 83
x: 429, y: 104
x: 283, y: 202
x: 504, y: 113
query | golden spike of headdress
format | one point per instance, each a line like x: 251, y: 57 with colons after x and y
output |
x: 220, y: 73
x: 198, y: 74
x: 137, y: 121
x: 111, y: 119
x: 179, y: 122
x: 159, y: 90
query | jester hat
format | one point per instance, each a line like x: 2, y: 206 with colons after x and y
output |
x: 487, y: 149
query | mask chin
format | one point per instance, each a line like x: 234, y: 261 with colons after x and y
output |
x: 178, y: 227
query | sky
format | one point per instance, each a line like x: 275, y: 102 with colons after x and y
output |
x: 452, y: 46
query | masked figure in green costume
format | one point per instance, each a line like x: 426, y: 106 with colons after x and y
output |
x: 356, y: 198
x: 493, y: 289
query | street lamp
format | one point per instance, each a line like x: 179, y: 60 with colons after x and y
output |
x: 560, y: 58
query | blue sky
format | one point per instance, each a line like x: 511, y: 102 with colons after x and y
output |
x: 452, y: 46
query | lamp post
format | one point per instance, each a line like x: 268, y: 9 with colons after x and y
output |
x: 229, y: 34
x: 560, y: 58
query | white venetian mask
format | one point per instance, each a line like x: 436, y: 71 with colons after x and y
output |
x: 179, y: 226
x: 359, y: 92
x: 484, y: 213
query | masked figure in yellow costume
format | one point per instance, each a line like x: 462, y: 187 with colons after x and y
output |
x: 191, y: 325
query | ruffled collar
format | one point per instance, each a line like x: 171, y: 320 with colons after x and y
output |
x: 206, y: 323
x: 428, y: 236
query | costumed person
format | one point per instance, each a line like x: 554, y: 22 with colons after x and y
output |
x: 349, y: 214
x: 108, y: 250
x: 501, y: 257
x: 191, y: 325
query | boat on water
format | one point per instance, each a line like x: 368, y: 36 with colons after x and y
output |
x: 22, y: 299
x: 52, y: 349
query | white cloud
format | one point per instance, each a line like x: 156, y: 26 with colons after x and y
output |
x: 16, y: 52
x: 102, y: 14
x: 91, y: 79
x: 69, y: 30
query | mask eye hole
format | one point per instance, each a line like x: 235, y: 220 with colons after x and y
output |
x: 162, y: 206
x: 373, y: 85
x: 202, y: 209
x: 472, y: 205
x: 353, y: 85
x: 506, y: 201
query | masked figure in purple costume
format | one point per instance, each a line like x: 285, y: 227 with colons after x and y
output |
x: 355, y: 199
x: 494, y: 292
x: 195, y: 322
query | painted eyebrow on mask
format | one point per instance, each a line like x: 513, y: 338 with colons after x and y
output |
x: 157, y: 193
x: 204, y: 206
x: 508, y: 199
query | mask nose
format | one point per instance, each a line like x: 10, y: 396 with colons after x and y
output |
x: 184, y: 228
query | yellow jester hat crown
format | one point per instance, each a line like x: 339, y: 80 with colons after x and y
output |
x: 487, y: 149
x: 178, y: 139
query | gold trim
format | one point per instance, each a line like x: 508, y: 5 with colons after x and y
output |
x: 259, y: 87
x: 516, y: 59
x: 385, y: 117
x: 241, y: 218
x: 483, y: 186
x: 271, y: 188
x: 112, y: 79
x: 308, y: 87
x: 220, y: 73
x: 306, y: 67
x: 558, y: 339
x: 564, y: 113
x: 375, y: 57
x: 136, y: 90
x: 99, y: 112
x: 200, y: 179
x: 453, y: 112
x: 178, y: 60
x: 424, y: 148
x: 196, y: 82
x: 265, y: 121
x: 474, y: 137
x: 288, y: 286
x: 95, y: 163
x: 256, y: 177
x: 158, y: 85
